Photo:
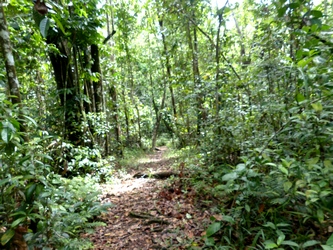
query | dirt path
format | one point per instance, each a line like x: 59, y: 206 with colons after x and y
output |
x: 150, y: 215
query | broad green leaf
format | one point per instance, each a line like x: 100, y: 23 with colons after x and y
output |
x: 45, y: 156
x: 300, y: 184
x: 315, y: 22
x: 269, y: 244
x: 310, y: 243
x: 59, y: 24
x: 228, y: 219
x: 22, y: 213
x: 293, y: 5
x: 329, y: 242
x: 327, y: 163
x: 213, y: 228
x: 210, y: 241
x: 280, y: 239
x: 318, y: 107
x: 270, y: 224
x: 230, y: 176
x: 31, y: 120
x: 312, y: 161
x: 289, y: 243
x: 30, y: 191
x: 302, y: 63
x: 271, y: 164
x: 6, y: 135
x: 310, y: 193
x: 325, y: 247
x: 283, y: 225
x: 286, y: 163
x: 4, y: 181
x: 300, y: 97
x: 15, y: 124
x: 44, y: 26
x: 7, y: 236
x: 282, y: 11
x: 316, y: 13
x: 325, y: 193
x: 320, y: 215
x: 287, y: 185
x: 17, y: 222
x: 283, y: 170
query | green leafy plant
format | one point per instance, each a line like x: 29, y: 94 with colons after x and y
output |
x: 39, y: 208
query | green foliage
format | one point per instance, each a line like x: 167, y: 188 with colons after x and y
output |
x: 133, y: 157
x: 254, y: 123
x: 51, y: 211
x: 268, y: 149
x: 71, y: 209
x: 163, y: 140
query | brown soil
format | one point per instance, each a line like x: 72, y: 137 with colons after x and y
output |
x: 150, y: 213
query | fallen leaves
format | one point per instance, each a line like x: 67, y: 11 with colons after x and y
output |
x: 169, y: 219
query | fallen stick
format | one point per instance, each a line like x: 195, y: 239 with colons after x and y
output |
x: 160, y: 175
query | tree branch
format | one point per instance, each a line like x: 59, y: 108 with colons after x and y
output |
x: 215, y: 46
x: 109, y: 37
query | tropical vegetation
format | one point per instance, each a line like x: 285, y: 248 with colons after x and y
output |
x: 242, y: 89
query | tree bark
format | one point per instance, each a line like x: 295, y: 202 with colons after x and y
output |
x: 6, y: 49
x: 193, y: 45
x: 67, y: 91
x: 13, y: 83
x: 168, y: 68
x: 98, y: 84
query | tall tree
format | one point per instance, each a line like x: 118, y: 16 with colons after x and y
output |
x: 6, y: 49
x: 73, y: 33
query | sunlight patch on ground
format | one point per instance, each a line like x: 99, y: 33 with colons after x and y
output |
x: 124, y: 186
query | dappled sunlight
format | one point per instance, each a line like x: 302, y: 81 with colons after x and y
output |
x: 125, y: 186
x: 149, y: 213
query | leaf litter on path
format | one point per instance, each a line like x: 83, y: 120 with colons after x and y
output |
x: 149, y: 214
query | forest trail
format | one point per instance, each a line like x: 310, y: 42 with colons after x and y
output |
x: 150, y: 213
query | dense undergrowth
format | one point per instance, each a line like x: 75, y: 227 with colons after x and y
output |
x: 274, y: 191
x: 39, y: 208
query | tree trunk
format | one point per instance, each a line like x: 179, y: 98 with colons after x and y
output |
x: 168, y: 68
x: 158, y: 118
x: 88, y: 85
x: 193, y: 45
x: 69, y: 98
x: 115, y: 111
x: 98, y: 84
x: 6, y: 49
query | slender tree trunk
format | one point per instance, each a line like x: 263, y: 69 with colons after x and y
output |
x: 126, y: 118
x: 169, y: 78
x: 88, y: 85
x: 114, y: 110
x: 98, y: 84
x: 40, y: 94
x: 243, y: 59
x: 67, y: 93
x: 217, y: 74
x: 193, y: 45
x: 158, y: 119
x: 6, y: 49
x: 168, y: 68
